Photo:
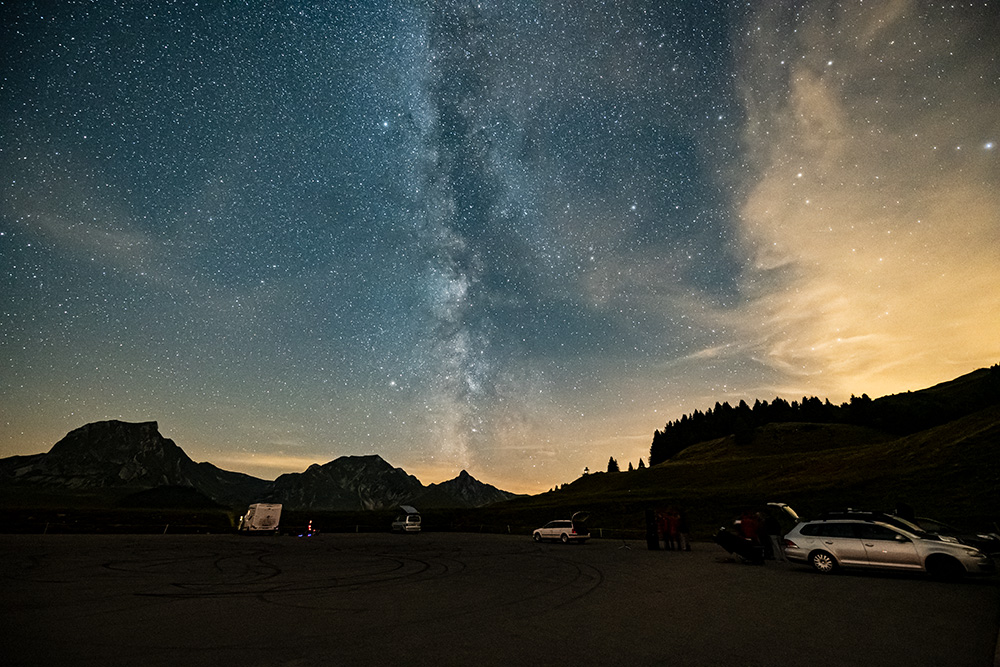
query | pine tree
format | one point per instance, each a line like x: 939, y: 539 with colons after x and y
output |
x: 613, y: 465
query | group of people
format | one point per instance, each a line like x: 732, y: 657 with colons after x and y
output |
x: 673, y: 528
x: 669, y: 529
x: 763, y: 529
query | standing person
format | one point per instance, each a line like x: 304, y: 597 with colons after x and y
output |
x: 652, y: 530
x: 684, y: 528
x: 673, y: 530
x: 767, y: 529
x: 749, y: 528
x: 662, y: 529
x: 773, y: 530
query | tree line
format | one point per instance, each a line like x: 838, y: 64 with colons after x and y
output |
x: 614, y: 467
x: 899, y: 414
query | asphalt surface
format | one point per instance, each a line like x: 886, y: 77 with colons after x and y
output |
x: 458, y: 599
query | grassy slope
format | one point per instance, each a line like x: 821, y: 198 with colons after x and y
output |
x: 951, y: 472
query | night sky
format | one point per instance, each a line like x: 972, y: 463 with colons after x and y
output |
x: 508, y: 237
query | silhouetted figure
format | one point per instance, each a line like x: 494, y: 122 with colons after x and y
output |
x: 750, y: 527
x: 662, y: 528
x: 652, y: 531
x: 771, y: 538
x: 684, y: 528
x: 673, y: 525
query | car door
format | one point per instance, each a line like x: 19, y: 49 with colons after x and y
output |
x: 837, y: 538
x: 550, y: 531
x: 842, y: 540
x: 888, y: 548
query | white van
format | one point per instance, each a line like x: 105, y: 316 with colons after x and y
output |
x: 408, y: 522
x: 261, y: 518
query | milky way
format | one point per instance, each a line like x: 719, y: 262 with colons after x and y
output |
x: 511, y: 237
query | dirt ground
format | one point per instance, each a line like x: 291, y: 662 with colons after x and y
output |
x: 458, y: 599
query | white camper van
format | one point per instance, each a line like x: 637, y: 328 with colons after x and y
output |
x: 261, y: 518
x: 408, y: 522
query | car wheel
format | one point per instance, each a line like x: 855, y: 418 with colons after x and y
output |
x: 565, y: 538
x: 536, y: 537
x: 823, y: 562
x: 945, y: 568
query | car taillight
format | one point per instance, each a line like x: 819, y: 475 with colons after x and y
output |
x: 791, y: 545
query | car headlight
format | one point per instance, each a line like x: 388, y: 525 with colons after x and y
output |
x: 974, y: 553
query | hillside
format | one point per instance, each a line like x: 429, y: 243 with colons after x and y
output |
x: 896, y: 415
x: 780, y: 438
x: 950, y: 471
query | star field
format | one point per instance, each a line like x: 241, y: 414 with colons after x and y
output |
x: 514, y: 238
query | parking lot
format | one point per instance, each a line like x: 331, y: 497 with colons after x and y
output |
x: 457, y: 599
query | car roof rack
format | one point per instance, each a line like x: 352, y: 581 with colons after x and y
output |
x: 851, y: 513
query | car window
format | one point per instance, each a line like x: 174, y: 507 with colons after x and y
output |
x: 904, y: 524
x: 828, y: 530
x: 842, y: 530
x: 932, y: 526
x: 874, y: 532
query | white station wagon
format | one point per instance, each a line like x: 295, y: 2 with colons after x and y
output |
x: 566, y: 531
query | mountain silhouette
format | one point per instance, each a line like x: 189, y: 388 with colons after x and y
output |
x: 121, y: 458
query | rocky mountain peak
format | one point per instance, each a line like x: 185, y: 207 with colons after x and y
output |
x: 112, y: 440
x: 347, y: 483
x: 119, y: 455
x: 110, y: 453
x: 467, y: 491
x: 125, y: 455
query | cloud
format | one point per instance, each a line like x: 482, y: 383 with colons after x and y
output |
x: 870, y: 218
x: 266, y: 466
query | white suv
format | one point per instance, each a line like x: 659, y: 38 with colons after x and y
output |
x: 877, y: 541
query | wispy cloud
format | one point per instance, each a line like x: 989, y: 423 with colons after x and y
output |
x: 871, y: 220
x: 266, y: 466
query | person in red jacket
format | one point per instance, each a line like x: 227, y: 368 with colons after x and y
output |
x: 750, y: 527
x: 673, y: 529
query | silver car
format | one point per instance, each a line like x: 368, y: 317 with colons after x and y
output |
x: 828, y: 544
